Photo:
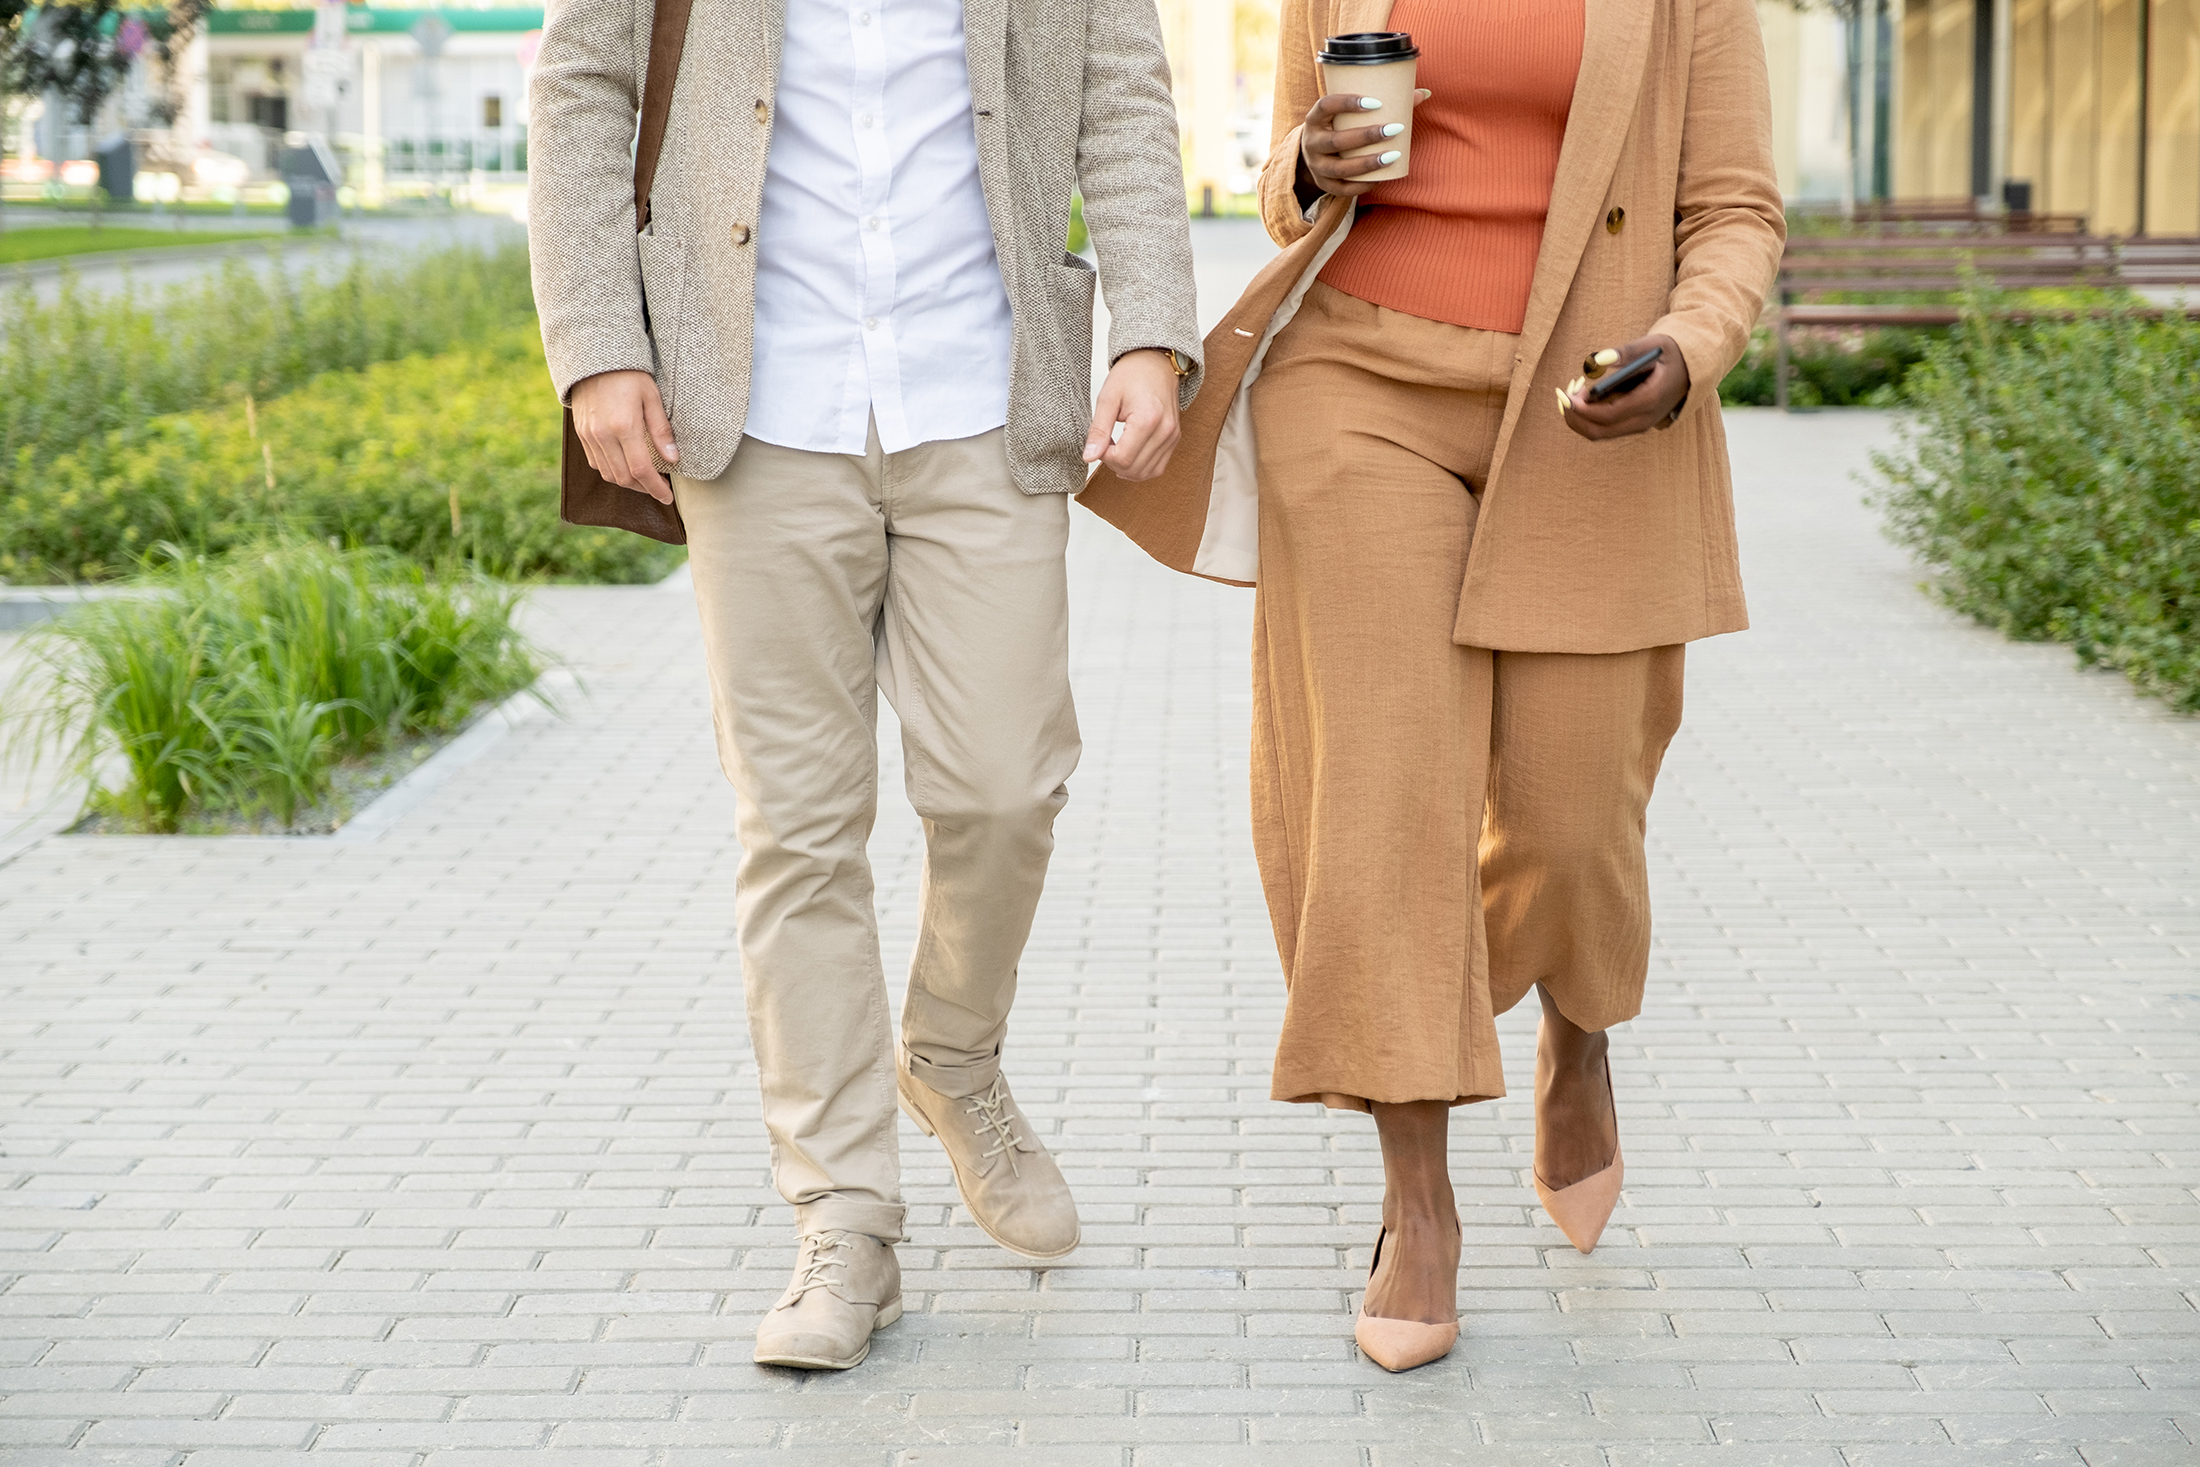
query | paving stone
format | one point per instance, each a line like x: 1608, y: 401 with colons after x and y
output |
x: 441, y: 1147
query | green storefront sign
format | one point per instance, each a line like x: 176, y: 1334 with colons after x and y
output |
x: 360, y: 20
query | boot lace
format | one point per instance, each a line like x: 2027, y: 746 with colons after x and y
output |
x: 994, y: 1114
x: 822, y: 1265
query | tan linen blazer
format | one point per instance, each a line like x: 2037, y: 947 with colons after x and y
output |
x: 1067, y: 95
x: 1665, y: 217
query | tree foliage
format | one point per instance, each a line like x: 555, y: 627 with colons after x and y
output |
x: 73, y: 49
x: 83, y: 49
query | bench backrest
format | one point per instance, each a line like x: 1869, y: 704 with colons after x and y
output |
x: 1819, y: 263
x: 1959, y: 215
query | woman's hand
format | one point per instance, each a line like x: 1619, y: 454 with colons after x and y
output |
x: 1645, y: 407
x: 1321, y: 143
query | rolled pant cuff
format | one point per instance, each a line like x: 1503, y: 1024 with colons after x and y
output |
x: 880, y: 1220
x: 956, y: 1080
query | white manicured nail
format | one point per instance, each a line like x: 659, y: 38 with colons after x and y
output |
x: 1390, y: 157
x: 1371, y: 103
x: 1394, y: 129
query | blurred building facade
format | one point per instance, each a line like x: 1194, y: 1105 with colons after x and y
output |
x: 2095, y: 104
x: 2088, y: 107
x: 419, y: 100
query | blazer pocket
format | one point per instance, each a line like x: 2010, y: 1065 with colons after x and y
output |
x: 1074, y: 283
x: 664, y: 305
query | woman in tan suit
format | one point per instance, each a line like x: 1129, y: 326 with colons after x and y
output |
x: 1475, y: 584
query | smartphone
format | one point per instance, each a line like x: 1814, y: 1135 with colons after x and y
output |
x: 1626, y: 377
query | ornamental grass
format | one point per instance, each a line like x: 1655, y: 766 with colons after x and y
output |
x: 231, y: 691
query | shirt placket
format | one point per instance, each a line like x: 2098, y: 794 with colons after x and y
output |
x: 874, y: 227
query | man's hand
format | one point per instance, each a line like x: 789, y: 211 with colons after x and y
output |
x: 1635, y: 411
x: 618, y: 416
x: 1140, y: 394
x: 1322, y: 143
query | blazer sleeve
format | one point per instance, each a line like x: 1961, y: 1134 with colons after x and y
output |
x: 1130, y: 168
x: 1729, y: 226
x: 1298, y: 86
x: 582, y: 105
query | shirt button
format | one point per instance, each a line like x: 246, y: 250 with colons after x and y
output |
x: 870, y: 323
x: 739, y: 234
x: 863, y: 119
x: 863, y: 17
x: 870, y: 224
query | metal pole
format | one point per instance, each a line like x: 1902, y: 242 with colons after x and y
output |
x: 2146, y: 119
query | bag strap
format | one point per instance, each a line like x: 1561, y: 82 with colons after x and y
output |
x: 667, y: 37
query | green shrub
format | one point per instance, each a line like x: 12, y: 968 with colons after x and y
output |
x: 444, y: 458
x: 84, y: 370
x: 238, y: 686
x: 1830, y: 368
x: 2051, y: 479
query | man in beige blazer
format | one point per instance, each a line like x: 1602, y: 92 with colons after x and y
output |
x: 849, y: 345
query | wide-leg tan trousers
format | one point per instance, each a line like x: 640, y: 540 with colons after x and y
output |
x: 1439, y: 828
x: 820, y: 579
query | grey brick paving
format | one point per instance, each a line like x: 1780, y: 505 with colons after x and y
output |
x: 438, y: 1147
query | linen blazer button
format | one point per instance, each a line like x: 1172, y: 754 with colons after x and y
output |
x: 1615, y: 221
x: 739, y: 234
x: 763, y: 113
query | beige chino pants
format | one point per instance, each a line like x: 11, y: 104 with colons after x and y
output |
x: 820, y: 579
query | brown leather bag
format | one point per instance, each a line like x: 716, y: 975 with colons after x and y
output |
x: 585, y: 496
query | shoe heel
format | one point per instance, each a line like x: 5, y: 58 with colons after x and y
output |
x: 887, y: 1316
x: 916, y: 1117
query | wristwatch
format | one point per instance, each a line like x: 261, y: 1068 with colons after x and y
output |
x: 1183, y: 364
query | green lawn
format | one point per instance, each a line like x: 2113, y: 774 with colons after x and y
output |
x: 45, y: 242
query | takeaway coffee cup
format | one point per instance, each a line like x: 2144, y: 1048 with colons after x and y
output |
x: 1378, y: 64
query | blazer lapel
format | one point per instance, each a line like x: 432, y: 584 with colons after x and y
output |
x: 1615, y: 49
x: 1355, y: 16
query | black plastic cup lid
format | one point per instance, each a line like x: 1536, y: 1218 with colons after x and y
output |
x: 1367, y: 48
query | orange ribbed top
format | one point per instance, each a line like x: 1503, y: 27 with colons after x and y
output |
x: 1456, y: 239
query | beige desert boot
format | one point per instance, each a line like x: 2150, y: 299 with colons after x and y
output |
x: 1012, y: 1187
x: 847, y: 1287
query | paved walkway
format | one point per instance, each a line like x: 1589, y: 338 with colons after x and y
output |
x: 440, y: 1145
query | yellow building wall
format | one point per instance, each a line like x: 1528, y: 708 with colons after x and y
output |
x: 1783, y: 64
x: 2075, y: 104
x: 2031, y: 115
x: 1222, y: 62
x: 2173, y: 102
x: 1932, y: 153
x: 2071, y: 81
x: 2116, y: 148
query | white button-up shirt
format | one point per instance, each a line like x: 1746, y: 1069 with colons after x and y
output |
x: 877, y: 291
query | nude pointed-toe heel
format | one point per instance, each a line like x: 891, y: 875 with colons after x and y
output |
x: 1582, y: 1210
x: 1400, y: 1344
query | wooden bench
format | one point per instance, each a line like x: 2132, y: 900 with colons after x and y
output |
x: 1940, y: 216
x: 1899, y: 264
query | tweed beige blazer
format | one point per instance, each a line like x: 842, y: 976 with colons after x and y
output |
x: 1067, y: 95
x: 1665, y: 217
